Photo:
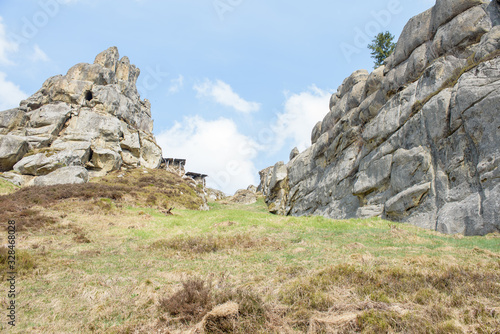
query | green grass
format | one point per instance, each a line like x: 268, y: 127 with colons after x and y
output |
x: 287, y: 274
x: 7, y: 187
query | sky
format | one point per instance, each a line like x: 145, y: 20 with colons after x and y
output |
x: 234, y: 85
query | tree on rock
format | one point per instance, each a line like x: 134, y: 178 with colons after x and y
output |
x: 382, y: 46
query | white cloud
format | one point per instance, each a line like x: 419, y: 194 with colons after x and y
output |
x: 301, y: 113
x: 38, y: 54
x: 10, y: 93
x: 215, y: 148
x: 223, y: 94
x: 176, y: 85
x: 6, y: 46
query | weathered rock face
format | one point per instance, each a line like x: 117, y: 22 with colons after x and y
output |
x: 243, y: 196
x: 92, y: 117
x: 417, y: 140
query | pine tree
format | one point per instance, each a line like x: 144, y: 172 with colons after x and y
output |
x: 382, y: 46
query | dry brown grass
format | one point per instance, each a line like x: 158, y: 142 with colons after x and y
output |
x: 104, y: 266
x: 157, y: 189
x: 210, y: 243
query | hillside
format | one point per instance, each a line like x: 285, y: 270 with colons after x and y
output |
x: 106, y: 259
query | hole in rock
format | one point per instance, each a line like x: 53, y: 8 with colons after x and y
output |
x: 89, y: 96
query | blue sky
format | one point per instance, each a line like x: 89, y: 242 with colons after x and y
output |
x: 234, y: 84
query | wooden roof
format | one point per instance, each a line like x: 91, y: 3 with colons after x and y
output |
x: 196, y: 175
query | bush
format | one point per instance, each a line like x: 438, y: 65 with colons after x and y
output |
x: 190, y: 303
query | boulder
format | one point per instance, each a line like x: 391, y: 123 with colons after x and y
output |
x: 463, y: 30
x: 398, y: 205
x: 105, y: 160
x: 38, y: 164
x: 214, y: 195
x: 243, y: 197
x: 12, y: 149
x: 14, y: 178
x: 150, y: 152
x: 65, y: 175
x: 417, y: 31
x: 445, y: 10
x: 11, y: 119
x: 374, y: 81
x: 294, y: 153
x: 376, y: 173
x: 489, y: 43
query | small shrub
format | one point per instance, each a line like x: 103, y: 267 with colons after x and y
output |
x: 213, y: 243
x: 81, y: 238
x: 151, y: 200
x: 190, y: 303
x: 25, y: 262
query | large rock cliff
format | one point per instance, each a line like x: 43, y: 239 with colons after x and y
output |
x: 416, y: 140
x: 90, y: 120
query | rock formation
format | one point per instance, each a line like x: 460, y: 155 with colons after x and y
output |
x: 91, y: 117
x: 416, y: 140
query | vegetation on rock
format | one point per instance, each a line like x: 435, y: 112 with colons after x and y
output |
x: 382, y: 46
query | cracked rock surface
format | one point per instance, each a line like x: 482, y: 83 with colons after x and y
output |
x: 416, y: 140
x: 91, y: 118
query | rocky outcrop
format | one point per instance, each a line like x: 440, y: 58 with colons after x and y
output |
x: 64, y: 175
x: 243, y: 196
x: 91, y: 117
x: 214, y: 194
x: 416, y: 140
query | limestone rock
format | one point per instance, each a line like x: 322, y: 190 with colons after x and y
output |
x: 445, y: 10
x: 65, y: 175
x: 374, y: 81
x: 150, y: 152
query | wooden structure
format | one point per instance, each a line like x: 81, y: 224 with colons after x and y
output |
x: 198, y: 178
x: 174, y: 165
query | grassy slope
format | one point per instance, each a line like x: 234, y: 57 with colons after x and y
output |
x: 102, y: 267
